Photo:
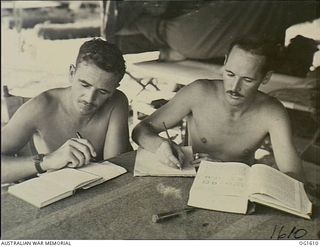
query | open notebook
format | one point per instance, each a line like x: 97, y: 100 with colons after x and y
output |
x: 147, y: 164
x: 53, y: 186
x: 228, y: 186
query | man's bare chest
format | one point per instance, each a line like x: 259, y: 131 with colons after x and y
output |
x: 216, y: 131
x: 55, y: 132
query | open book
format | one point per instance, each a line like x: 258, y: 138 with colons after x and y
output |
x: 228, y: 186
x: 53, y: 186
x: 147, y: 164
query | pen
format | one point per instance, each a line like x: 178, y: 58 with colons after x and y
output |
x: 156, y: 218
x: 171, y: 144
x: 80, y: 137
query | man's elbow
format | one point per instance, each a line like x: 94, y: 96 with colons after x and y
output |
x: 136, y: 133
x: 6, y: 176
x: 6, y: 179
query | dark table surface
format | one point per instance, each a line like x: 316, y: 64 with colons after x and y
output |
x: 122, y: 209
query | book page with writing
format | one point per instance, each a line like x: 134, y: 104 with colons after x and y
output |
x: 70, y: 178
x: 147, y: 164
x: 281, y: 189
x: 106, y: 170
x: 220, y: 186
x: 39, y: 192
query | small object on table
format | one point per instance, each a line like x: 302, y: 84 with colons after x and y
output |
x: 156, y: 218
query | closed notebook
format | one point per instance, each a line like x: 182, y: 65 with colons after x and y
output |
x: 53, y: 186
x: 147, y: 164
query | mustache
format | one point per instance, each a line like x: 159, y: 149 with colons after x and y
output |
x: 87, y: 103
x: 233, y: 93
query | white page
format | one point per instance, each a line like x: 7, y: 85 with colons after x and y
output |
x: 306, y: 205
x: 147, y: 164
x: 271, y: 202
x: 39, y: 192
x: 220, y: 186
x: 106, y: 170
x: 70, y: 178
x: 267, y: 180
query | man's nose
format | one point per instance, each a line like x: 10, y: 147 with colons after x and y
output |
x: 90, y: 95
x: 236, y: 86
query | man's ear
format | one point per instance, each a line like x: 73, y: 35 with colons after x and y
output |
x: 72, y: 71
x: 224, y: 63
x: 225, y: 59
x: 267, y: 77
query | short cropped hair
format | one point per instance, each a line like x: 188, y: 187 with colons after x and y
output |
x: 261, y: 47
x: 103, y: 54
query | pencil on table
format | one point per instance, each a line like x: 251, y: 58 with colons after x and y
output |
x: 172, y: 214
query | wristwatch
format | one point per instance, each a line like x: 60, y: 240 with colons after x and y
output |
x: 37, y: 161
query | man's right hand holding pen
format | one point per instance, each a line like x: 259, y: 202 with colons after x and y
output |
x: 169, y: 157
x: 169, y: 153
x: 75, y: 152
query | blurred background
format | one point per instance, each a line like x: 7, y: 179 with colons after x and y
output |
x: 167, y: 44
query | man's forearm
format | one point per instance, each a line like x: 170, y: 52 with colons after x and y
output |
x: 298, y: 176
x: 147, y: 137
x: 297, y: 171
x: 15, y: 168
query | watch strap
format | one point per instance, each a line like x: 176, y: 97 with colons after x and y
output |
x: 37, y: 162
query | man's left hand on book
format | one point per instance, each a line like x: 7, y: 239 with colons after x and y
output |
x: 313, y: 192
x: 198, y: 157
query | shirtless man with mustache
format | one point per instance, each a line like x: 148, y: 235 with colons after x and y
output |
x: 227, y: 119
x: 92, y: 106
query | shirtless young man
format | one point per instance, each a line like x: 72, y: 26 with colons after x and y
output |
x: 92, y: 106
x: 227, y: 119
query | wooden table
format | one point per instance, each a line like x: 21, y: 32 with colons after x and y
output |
x: 122, y: 209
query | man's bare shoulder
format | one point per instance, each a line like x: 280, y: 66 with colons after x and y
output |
x: 203, y: 85
x: 117, y: 101
x: 35, y: 111
x: 120, y: 96
x: 202, y: 88
x: 196, y: 90
x: 46, y: 101
x: 270, y: 107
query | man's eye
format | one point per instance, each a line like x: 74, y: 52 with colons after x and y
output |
x: 248, y: 80
x: 84, y: 85
x: 230, y: 74
x: 103, y: 92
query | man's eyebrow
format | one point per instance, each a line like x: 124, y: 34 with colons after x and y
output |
x: 87, y: 83
x: 229, y: 71
x: 247, y: 77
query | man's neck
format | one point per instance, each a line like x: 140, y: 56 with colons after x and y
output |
x: 81, y: 121
x: 237, y: 111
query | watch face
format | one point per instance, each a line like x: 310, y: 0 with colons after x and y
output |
x: 38, y: 157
